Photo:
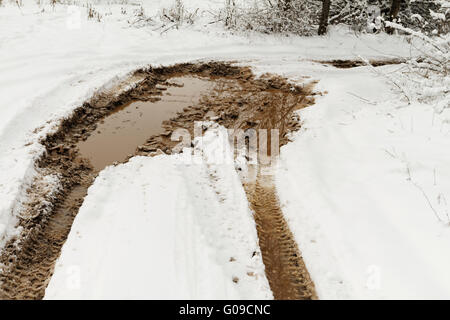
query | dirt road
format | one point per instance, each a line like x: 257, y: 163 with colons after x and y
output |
x: 238, y: 99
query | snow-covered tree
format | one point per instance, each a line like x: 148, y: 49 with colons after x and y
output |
x: 414, y: 14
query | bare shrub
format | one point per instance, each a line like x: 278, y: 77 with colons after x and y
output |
x: 178, y: 14
x: 423, y: 15
x: 350, y: 12
x: 54, y: 2
x: 426, y: 16
x: 434, y: 51
x: 140, y: 18
x: 426, y: 77
x: 273, y: 16
x: 230, y: 14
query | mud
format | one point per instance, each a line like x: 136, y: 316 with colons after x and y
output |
x: 269, y: 104
x: 285, y: 269
x: 74, y: 153
x: 347, y: 64
x: 117, y: 136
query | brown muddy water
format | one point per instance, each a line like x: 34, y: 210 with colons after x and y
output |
x: 114, y: 126
x: 118, y: 135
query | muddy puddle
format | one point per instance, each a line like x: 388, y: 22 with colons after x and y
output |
x: 114, y: 126
x: 129, y: 126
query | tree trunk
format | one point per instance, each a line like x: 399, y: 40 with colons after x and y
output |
x: 324, y: 17
x: 395, y: 9
x: 393, y: 13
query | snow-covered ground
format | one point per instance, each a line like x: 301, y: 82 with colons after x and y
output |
x: 362, y: 185
x: 365, y: 185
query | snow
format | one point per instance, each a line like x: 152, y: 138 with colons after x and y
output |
x: 159, y: 228
x: 372, y: 221
x: 363, y: 185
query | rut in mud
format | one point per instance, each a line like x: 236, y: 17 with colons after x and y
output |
x: 285, y: 269
x: 75, y: 154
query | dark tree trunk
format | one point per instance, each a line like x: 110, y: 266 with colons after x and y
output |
x: 395, y: 9
x: 393, y: 13
x: 324, y: 17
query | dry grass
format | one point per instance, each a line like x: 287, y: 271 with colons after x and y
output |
x: 178, y: 15
x: 93, y: 14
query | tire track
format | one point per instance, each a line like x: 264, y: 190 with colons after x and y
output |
x: 285, y: 270
x: 28, y: 277
x: 243, y: 102
x: 27, y: 262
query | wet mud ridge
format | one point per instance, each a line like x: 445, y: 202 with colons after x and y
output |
x: 347, y: 64
x: 31, y: 268
x: 164, y: 95
x: 285, y: 269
